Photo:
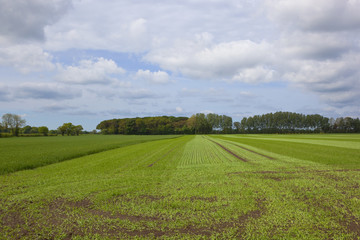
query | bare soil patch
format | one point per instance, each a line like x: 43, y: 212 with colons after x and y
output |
x: 206, y: 199
x: 68, y: 216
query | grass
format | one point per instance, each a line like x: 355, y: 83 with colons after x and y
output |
x: 31, y: 152
x: 191, y: 187
x: 344, y: 155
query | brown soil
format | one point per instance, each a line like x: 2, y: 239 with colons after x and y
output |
x: 62, y: 216
x: 296, y: 172
x: 348, y: 220
x: 206, y: 199
x: 151, y: 198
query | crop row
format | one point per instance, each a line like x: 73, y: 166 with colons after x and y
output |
x: 28, y: 153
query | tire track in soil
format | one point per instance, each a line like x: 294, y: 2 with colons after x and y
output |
x: 227, y: 150
x: 295, y: 172
x: 263, y: 155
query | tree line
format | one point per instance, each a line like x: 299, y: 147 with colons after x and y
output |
x: 144, y: 126
x: 197, y: 124
x: 14, y: 125
x: 288, y: 122
x: 200, y: 123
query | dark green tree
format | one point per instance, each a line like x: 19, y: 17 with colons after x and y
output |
x: 78, y: 129
x: 26, y: 129
x: 43, y: 130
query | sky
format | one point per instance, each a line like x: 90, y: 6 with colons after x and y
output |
x: 85, y: 61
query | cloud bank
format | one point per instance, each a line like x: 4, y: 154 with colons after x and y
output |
x: 140, y: 56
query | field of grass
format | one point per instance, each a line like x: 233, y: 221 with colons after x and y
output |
x: 31, y: 152
x: 192, y: 187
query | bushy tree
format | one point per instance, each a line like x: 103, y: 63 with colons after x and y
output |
x: 78, y: 129
x: 62, y: 130
x: 237, y: 126
x: 43, y: 130
x: 70, y: 129
x: 13, y: 122
x: 34, y: 130
x: 144, y: 126
x: 26, y: 129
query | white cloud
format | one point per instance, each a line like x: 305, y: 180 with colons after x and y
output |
x: 129, y: 94
x: 322, y: 15
x: 246, y: 94
x: 136, y: 94
x: 311, y: 45
x: 318, y: 49
x: 129, y: 26
x: 115, y: 26
x: 4, y: 93
x: 223, y: 61
x: 137, y: 28
x: 26, y: 58
x: 179, y: 109
x: 90, y: 72
x: 154, y: 77
x: 25, y: 20
x: 257, y: 74
x: 335, y: 81
x: 49, y: 91
x: 55, y: 107
x: 186, y: 92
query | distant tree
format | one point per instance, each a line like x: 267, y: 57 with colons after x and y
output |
x: 43, y: 130
x: 356, y: 125
x: 226, y: 124
x: 26, y: 129
x: 62, y: 130
x: 202, y: 125
x: 69, y: 128
x: 53, y: 132
x: 130, y: 126
x: 243, y: 124
x: 213, y: 120
x: 78, y: 129
x: 13, y: 122
x: 237, y: 126
x: 34, y: 130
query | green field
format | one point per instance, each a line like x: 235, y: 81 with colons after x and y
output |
x: 31, y: 152
x: 190, y: 187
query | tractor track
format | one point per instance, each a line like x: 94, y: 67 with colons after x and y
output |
x: 263, y: 155
x: 229, y: 151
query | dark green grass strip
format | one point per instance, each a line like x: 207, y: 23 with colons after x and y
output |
x: 29, y: 153
x: 328, y: 155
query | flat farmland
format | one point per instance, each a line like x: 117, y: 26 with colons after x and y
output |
x: 192, y: 187
x: 31, y: 152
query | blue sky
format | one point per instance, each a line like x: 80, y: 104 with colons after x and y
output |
x: 84, y: 61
